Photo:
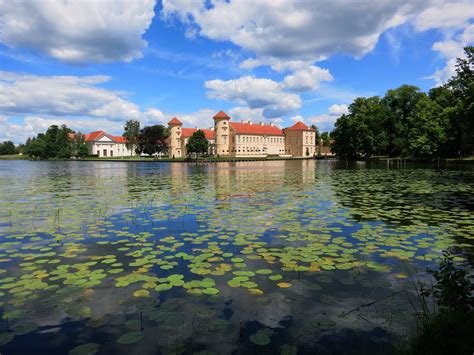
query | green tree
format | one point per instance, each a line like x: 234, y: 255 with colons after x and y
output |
x: 152, y: 140
x: 78, y: 147
x: 20, y: 149
x: 37, y: 148
x: 317, y: 135
x: 361, y: 133
x: 131, y: 134
x: 344, y: 144
x: 462, y: 119
x: 7, y: 147
x: 55, y: 143
x: 325, y: 137
x: 426, y: 131
x: 198, y: 143
x: 401, y: 105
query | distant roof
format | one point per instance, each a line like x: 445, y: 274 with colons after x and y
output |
x: 175, y: 121
x: 221, y: 114
x: 95, y: 136
x: 188, y: 132
x: 247, y: 128
x: 299, y: 126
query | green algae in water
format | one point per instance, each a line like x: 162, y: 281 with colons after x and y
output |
x: 303, y: 234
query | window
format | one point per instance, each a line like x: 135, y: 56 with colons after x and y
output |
x: 111, y: 153
x: 98, y: 153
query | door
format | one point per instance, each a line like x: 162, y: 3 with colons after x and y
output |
x: 105, y: 152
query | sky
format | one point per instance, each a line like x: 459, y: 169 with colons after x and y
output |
x: 94, y: 64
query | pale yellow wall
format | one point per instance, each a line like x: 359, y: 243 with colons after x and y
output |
x: 222, y: 136
x: 175, y: 142
x: 296, y: 143
x: 254, y: 145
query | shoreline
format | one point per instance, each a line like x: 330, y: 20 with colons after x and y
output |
x: 400, y: 162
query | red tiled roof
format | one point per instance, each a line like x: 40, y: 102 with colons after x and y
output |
x: 221, y: 114
x: 90, y: 137
x: 119, y: 139
x: 175, y: 121
x: 299, y: 126
x: 188, y: 132
x: 247, y: 128
x: 94, y: 136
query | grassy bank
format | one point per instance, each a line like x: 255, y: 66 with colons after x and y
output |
x: 13, y: 157
x: 199, y: 160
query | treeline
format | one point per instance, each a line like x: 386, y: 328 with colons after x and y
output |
x: 59, y: 142
x: 149, y: 140
x: 409, y: 123
x: 8, y: 148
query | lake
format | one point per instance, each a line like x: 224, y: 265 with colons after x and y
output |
x: 278, y: 257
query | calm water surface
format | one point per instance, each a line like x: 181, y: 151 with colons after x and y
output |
x: 259, y: 257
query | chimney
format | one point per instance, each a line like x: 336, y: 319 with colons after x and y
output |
x: 262, y: 124
x: 243, y: 121
x: 250, y: 122
x: 211, y: 128
x: 271, y: 124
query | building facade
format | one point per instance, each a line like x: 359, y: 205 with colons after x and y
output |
x: 245, y: 139
x: 105, y: 145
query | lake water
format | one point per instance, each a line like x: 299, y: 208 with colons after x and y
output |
x: 278, y: 257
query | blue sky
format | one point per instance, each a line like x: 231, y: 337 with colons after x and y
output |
x: 93, y: 65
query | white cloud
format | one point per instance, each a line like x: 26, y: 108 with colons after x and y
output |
x: 255, y: 93
x: 306, y: 79
x: 338, y: 110
x: 201, y: 118
x: 297, y: 118
x: 294, y: 30
x: 451, y: 49
x: 33, y: 125
x: 325, y: 122
x: 245, y: 113
x: 77, y: 32
x: 63, y: 95
x: 445, y: 15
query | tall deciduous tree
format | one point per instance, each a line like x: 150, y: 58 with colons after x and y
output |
x: 7, y: 147
x: 198, y: 143
x: 462, y: 120
x: 152, y: 140
x: 55, y: 143
x: 131, y: 134
x: 78, y: 146
x: 401, y: 105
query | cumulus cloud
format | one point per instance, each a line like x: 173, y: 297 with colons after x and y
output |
x: 292, y: 35
x: 246, y: 113
x: 451, y: 49
x: 255, y: 93
x: 31, y: 125
x: 63, y: 95
x: 297, y: 118
x: 325, y: 122
x: 305, y: 79
x: 77, y: 32
x: 294, y: 30
x: 338, y: 110
x: 445, y: 15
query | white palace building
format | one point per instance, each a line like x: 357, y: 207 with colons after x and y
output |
x: 226, y: 138
x: 246, y: 139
